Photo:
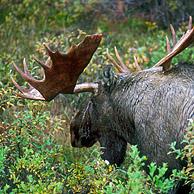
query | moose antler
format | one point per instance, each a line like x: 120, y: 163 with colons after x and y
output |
x: 165, y: 62
x: 61, y: 71
x: 178, y: 47
x: 119, y: 65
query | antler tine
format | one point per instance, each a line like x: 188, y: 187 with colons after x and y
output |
x: 190, y: 23
x: 124, y: 67
x: 118, y: 67
x: 44, y: 66
x: 48, y: 49
x: 137, y: 66
x: 118, y: 57
x: 26, y: 77
x: 26, y: 71
x: 30, y: 93
x: 18, y: 86
x: 183, y: 43
x: 168, y: 47
x: 173, y: 34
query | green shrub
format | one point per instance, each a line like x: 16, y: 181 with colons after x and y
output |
x: 33, y: 162
x: 186, y: 155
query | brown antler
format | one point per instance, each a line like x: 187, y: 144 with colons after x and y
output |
x: 178, y: 47
x: 120, y: 66
x: 61, y: 71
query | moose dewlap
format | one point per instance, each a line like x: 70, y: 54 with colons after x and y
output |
x: 150, y: 108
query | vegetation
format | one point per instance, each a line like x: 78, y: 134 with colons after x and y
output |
x: 35, y: 153
x: 32, y: 161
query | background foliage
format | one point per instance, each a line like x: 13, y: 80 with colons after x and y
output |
x: 35, y: 153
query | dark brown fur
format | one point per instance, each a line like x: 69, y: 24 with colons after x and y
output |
x: 150, y: 109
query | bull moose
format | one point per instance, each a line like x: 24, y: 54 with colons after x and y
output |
x: 150, y: 107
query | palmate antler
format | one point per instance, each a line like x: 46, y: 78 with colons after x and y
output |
x: 61, y: 71
x: 184, y: 42
x: 178, y: 47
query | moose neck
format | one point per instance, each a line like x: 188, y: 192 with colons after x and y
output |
x: 124, y: 96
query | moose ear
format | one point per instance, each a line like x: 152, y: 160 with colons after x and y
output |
x: 109, y: 76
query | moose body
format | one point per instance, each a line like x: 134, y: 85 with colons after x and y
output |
x: 150, y: 108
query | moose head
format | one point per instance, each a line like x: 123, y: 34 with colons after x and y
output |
x: 102, y: 118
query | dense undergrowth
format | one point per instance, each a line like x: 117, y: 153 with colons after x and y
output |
x: 35, y: 152
x: 33, y: 161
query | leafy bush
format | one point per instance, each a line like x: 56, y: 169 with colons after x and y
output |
x: 33, y: 162
x: 186, y: 154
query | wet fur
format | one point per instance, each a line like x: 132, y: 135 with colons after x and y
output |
x: 150, y: 109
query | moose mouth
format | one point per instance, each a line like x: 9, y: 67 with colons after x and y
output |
x: 84, y: 142
x: 88, y: 142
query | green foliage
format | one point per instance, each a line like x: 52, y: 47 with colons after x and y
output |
x: 33, y: 162
x: 162, y: 184
x: 136, y: 180
x: 185, y: 154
